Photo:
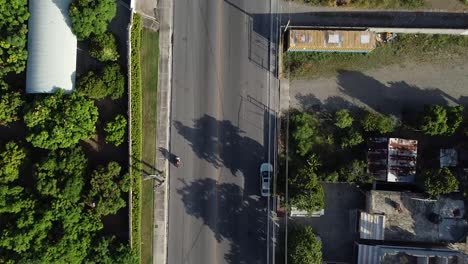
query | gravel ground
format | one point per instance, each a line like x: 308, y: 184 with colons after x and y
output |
x: 389, y: 89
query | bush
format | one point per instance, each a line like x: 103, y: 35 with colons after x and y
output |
x: 91, y: 17
x: 60, y: 121
x: 343, y: 119
x: 110, y: 82
x: 115, y: 130
x: 439, y: 182
x: 136, y: 133
x: 104, y: 47
x: 375, y: 122
x: 303, y: 246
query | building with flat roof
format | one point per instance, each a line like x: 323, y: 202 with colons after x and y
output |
x: 329, y: 40
x: 51, y: 47
x: 392, y: 159
x: 410, y: 217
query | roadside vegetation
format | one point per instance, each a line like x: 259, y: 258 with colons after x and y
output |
x: 303, y: 246
x: 136, y: 133
x: 149, y: 75
x: 331, y: 147
x: 368, y: 4
x: 405, y: 48
x: 54, y: 195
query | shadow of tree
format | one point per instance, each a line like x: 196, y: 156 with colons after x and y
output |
x: 226, y: 210
x: 222, y: 144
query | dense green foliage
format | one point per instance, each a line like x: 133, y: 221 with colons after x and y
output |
x: 343, y: 118
x: 136, y: 133
x: 10, y: 104
x: 377, y: 123
x: 91, y: 17
x: 440, y: 181
x: 104, y: 47
x: 351, y: 138
x: 115, y: 130
x: 306, y: 193
x: 405, y: 48
x: 303, y: 246
x: 305, y: 133
x: 13, y: 35
x: 110, y: 82
x: 107, y: 187
x: 51, y: 223
x: 437, y: 120
x: 60, y: 120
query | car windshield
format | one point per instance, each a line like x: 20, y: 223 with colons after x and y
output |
x: 265, y: 174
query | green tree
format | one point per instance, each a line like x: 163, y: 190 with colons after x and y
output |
x: 60, y: 120
x: 304, y: 128
x: 107, y: 187
x: 351, y: 138
x: 61, y: 174
x: 115, y: 130
x: 355, y: 171
x: 440, y: 181
x: 454, y: 119
x: 91, y: 17
x: 375, y: 122
x: 107, y: 251
x: 305, y: 191
x: 11, y: 159
x: 303, y: 246
x: 10, y: 105
x: 434, y: 120
x: 110, y: 82
x: 13, y: 35
x: 343, y: 119
x: 104, y: 47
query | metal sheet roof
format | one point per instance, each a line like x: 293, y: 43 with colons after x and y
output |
x: 51, y: 47
x: 371, y: 226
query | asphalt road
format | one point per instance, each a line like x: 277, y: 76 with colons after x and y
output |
x: 220, y: 128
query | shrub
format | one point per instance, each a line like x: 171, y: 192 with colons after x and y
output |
x: 10, y: 105
x: 437, y: 120
x: 351, y: 139
x: 303, y: 246
x: 115, y: 130
x: 304, y: 128
x: 104, y: 47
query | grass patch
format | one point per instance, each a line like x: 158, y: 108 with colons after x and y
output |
x: 374, y: 4
x: 149, y: 74
x: 405, y: 48
x: 136, y: 133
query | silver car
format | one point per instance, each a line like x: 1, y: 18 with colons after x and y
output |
x: 266, y: 171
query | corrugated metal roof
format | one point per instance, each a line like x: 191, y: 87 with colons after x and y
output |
x: 51, y: 47
x: 367, y: 254
x: 371, y: 226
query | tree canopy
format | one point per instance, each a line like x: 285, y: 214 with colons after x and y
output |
x: 306, y: 192
x: 60, y: 121
x: 376, y: 122
x: 111, y: 82
x: 104, y: 47
x: 10, y: 104
x: 303, y: 246
x: 305, y: 133
x: 438, y: 120
x: 13, y: 35
x: 343, y: 118
x: 351, y: 139
x: 115, y: 130
x: 91, y: 17
x: 107, y: 187
x: 440, y: 181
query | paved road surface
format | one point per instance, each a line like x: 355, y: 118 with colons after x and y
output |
x: 220, y: 116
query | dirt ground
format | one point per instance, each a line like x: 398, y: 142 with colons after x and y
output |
x: 389, y: 90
